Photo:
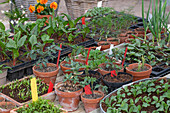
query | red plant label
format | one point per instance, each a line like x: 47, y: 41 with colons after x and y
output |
x: 83, y: 21
x: 124, y: 56
x: 59, y: 55
x: 50, y: 89
x: 87, y: 90
x: 88, y: 56
x: 113, y: 73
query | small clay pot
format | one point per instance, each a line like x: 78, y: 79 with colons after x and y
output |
x: 122, y: 38
x: 114, y: 41
x: 139, y: 75
x: 104, y: 72
x: 3, y: 77
x: 103, y: 46
x: 91, y: 104
x: 43, y: 16
x: 69, y: 100
x: 63, y: 68
x: 11, y: 104
x: 46, y: 76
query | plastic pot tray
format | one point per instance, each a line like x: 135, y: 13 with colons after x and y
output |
x: 50, y: 96
x: 107, y: 96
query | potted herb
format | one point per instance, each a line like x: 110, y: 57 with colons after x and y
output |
x: 91, y: 101
x: 3, y: 73
x: 107, y: 67
x: 69, y: 92
x: 147, y: 95
x: 43, y: 69
x: 37, y: 107
x: 139, y: 70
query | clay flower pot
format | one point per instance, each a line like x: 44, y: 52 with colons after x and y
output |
x: 139, y: 75
x: 104, y: 72
x: 9, y: 106
x: 140, y: 30
x: 131, y: 33
x: 42, y: 16
x: 91, y: 104
x: 122, y: 37
x: 46, y: 76
x: 3, y: 77
x: 104, y: 45
x: 69, y: 100
x: 63, y: 68
x: 114, y: 41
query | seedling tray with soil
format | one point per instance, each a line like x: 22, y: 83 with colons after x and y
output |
x: 160, y: 69
x: 147, y: 95
x: 19, y: 91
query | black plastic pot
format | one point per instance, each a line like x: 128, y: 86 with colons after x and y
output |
x: 112, y: 85
x: 140, y: 24
x: 159, y: 71
x: 133, y: 27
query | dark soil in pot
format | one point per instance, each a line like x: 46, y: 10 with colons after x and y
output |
x: 46, y: 69
x: 69, y: 88
x: 145, y: 68
x: 157, y: 69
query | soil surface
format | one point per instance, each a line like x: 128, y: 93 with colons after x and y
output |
x: 157, y: 69
x: 142, y: 69
x: 118, y: 79
x: 69, y: 88
x: 150, y: 108
x: 165, y: 66
x: 46, y: 69
x: 17, y: 87
x: 95, y: 96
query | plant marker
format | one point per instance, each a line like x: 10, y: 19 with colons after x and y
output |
x: 124, y: 56
x: 59, y: 55
x: 113, y: 73
x: 99, y: 4
x: 88, y: 56
x: 110, y: 50
x: 87, y: 90
x: 98, y: 48
x: 83, y: 21
x: 34, y: 89
x: 50, y: 89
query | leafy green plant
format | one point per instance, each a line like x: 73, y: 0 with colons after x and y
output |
x: 42, y: 55
x: 41, y: 105
x: 15, y: 45
x: 141, y: 65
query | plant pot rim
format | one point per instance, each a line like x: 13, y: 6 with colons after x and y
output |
x: 72, y: 94
x: 49, y: 73
x: 118, y: 74
x: 86, y: 100
x: 150, y: 68
x: 107, y: 96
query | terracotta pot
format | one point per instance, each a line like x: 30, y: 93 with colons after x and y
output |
x: 93, y: 48
x: 2, y: 99
x: 122, y: 38
x: 103, y: 47
x: 104, y: 72
x: 43, y: 16
x: 131, y: 33
x: 14, y: 110
x: 139, y: 75
x: 11, y: 104
x: 91, y: 104
x: 63, y: 68
x: 69, y: 100
x: 140, y: 30
x: 114, y: 41
x: 46, y: 76
x: 3, y: 77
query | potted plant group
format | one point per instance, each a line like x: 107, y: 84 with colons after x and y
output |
x: 37, y: 107
x: 69, y: 92
x: 139, y: 70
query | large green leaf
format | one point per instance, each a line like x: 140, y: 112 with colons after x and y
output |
x: 2, y: 26
x: 11, y: 44
x: 33, y: 40
x: 21, y: 41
